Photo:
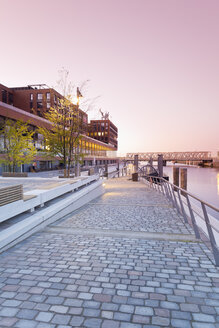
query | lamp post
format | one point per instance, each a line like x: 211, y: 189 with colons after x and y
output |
x: 79, y: 95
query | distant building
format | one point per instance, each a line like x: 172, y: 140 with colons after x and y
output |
x: 105, y: 131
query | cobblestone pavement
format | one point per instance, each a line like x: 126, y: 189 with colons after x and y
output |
x: 125, y: 206
x: 62, y: 280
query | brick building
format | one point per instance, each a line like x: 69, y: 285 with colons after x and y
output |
x: 30, y: 103
x: 37, y: 99
x: 6, y: 95
x: 105, y: 131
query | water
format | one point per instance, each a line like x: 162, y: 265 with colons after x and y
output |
x: 202, y: 182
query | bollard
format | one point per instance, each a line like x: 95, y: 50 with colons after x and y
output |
x: 135, y: 176
x: 106, y: 171
x: 160, y: 165
x: 118, y: 169
x: 183, y: 180
x: 176, y: 177
x: 136, y: 163
x: 91, y: 171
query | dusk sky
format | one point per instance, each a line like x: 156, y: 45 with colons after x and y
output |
x: 154, y: 63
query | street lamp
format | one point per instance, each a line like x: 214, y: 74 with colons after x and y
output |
x: 79, y: 95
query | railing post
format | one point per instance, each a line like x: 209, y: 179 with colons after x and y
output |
x: 195, y: 227
x: 171, y: 196
x: 167, y: 192
x: 175, y: 200
x: 211, y: 236
x: 159, y: 186
x: 182, y: 208
x: 163, y: 189
x: 183, y: 180
x: 154, y: 183
x: 176, y: 177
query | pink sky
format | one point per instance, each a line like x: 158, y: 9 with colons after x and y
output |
x: 155, y: 64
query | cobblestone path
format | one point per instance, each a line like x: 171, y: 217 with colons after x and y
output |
x: 62, y: 277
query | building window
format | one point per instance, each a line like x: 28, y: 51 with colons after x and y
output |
x: 31, y: 100
x: 10, y: 98
x: 85, y: 119
x: 48, y: 96
x: 40, y: 96
x: 48, y: 105
x: 4, y: 96
x: 39, y: 104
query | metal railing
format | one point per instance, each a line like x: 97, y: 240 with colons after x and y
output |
x: 183, y: 201
x: 113, y: 174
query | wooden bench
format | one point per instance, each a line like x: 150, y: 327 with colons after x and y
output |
x: 11, y: 194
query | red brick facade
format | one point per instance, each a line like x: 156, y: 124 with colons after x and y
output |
x: 105, y: 131
x: 35, y: 100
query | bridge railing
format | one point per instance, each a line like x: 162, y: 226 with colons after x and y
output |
x: 171, y: 156
x: 192, y: 209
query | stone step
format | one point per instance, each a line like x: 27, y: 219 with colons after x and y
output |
x: 122, y: 234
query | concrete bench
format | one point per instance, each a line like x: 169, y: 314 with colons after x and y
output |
x: 14, y: 174
x: 11, y: 194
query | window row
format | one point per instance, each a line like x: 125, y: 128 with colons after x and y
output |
x: 40, y: 96
x: 7, y: 97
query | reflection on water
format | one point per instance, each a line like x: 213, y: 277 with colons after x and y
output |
x: 218, y: 183
x: 202, y: 182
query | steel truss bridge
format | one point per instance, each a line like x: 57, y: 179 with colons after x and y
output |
x: 192, y: 156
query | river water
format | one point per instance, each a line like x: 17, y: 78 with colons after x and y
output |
x: 202, y: 182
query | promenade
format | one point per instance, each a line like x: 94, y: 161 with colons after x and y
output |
x: 124, y: 260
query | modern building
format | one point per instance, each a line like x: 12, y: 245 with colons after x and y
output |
x: 30, y: 103
x: 104, y: 131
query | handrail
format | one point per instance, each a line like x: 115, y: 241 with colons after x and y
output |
x: 117, y: 172
x: 174, y: 193
x: 190, y: 194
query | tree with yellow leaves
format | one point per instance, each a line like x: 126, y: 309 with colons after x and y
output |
x: 64, y: 137
x: 18, y: 144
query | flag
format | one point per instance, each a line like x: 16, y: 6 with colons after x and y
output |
x: 79, y: 95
